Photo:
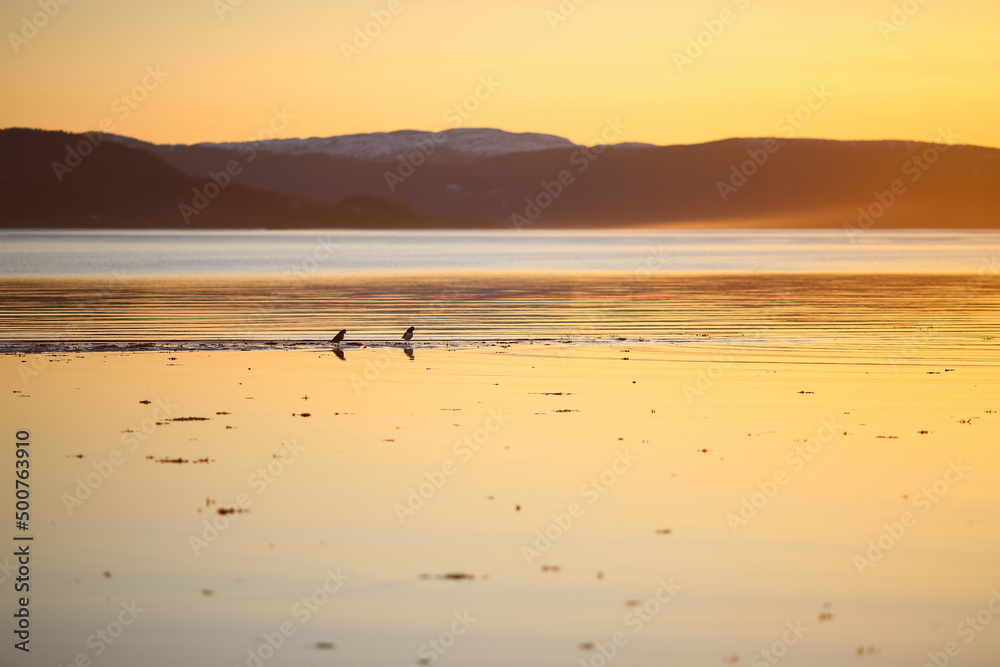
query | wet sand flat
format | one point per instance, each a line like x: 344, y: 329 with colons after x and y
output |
x: 694, y: 500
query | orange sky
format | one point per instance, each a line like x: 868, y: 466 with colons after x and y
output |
x: 225, y: 67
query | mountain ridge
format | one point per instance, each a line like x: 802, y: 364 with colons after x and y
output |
x: 62, y: 180
x: 475, y: 142
x: 738, y: 182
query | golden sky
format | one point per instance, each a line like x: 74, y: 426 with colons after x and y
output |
x: 225, y: 70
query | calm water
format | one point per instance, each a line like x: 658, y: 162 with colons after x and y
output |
x: 212, y: 286
x: 782, y: 401
x: 706, y: 430
x: 293, y: 254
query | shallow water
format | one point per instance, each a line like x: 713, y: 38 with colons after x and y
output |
x: 705, y: 428
x: 867, y: 314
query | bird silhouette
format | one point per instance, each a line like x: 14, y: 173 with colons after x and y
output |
x: 339, y: 337
x: 409, y: 334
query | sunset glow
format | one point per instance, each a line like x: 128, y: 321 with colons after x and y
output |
x: 671, y: 72
x: 522, y: 332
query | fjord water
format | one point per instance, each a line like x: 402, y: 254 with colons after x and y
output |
x: 694, y: 448
x: 141, y: 286
x: 107, y: 253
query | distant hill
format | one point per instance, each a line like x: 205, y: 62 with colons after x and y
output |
x: 387, y: 145
x: 489, y: 178
x: 57, y: 179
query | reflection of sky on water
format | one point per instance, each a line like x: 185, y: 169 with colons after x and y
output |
x: 379, y: 424
x: 736, y: 372
x: 137, y: 252
x: 496, y: 307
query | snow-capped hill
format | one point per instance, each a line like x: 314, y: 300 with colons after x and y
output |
x: 390, y: 145
x: 635, y: 144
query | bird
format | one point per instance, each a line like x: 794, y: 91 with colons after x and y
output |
x: 339, y: 337
x: 409, y: 334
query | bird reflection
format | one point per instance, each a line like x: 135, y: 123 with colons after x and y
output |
x: 409, y: 352
x: 340, y: 354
